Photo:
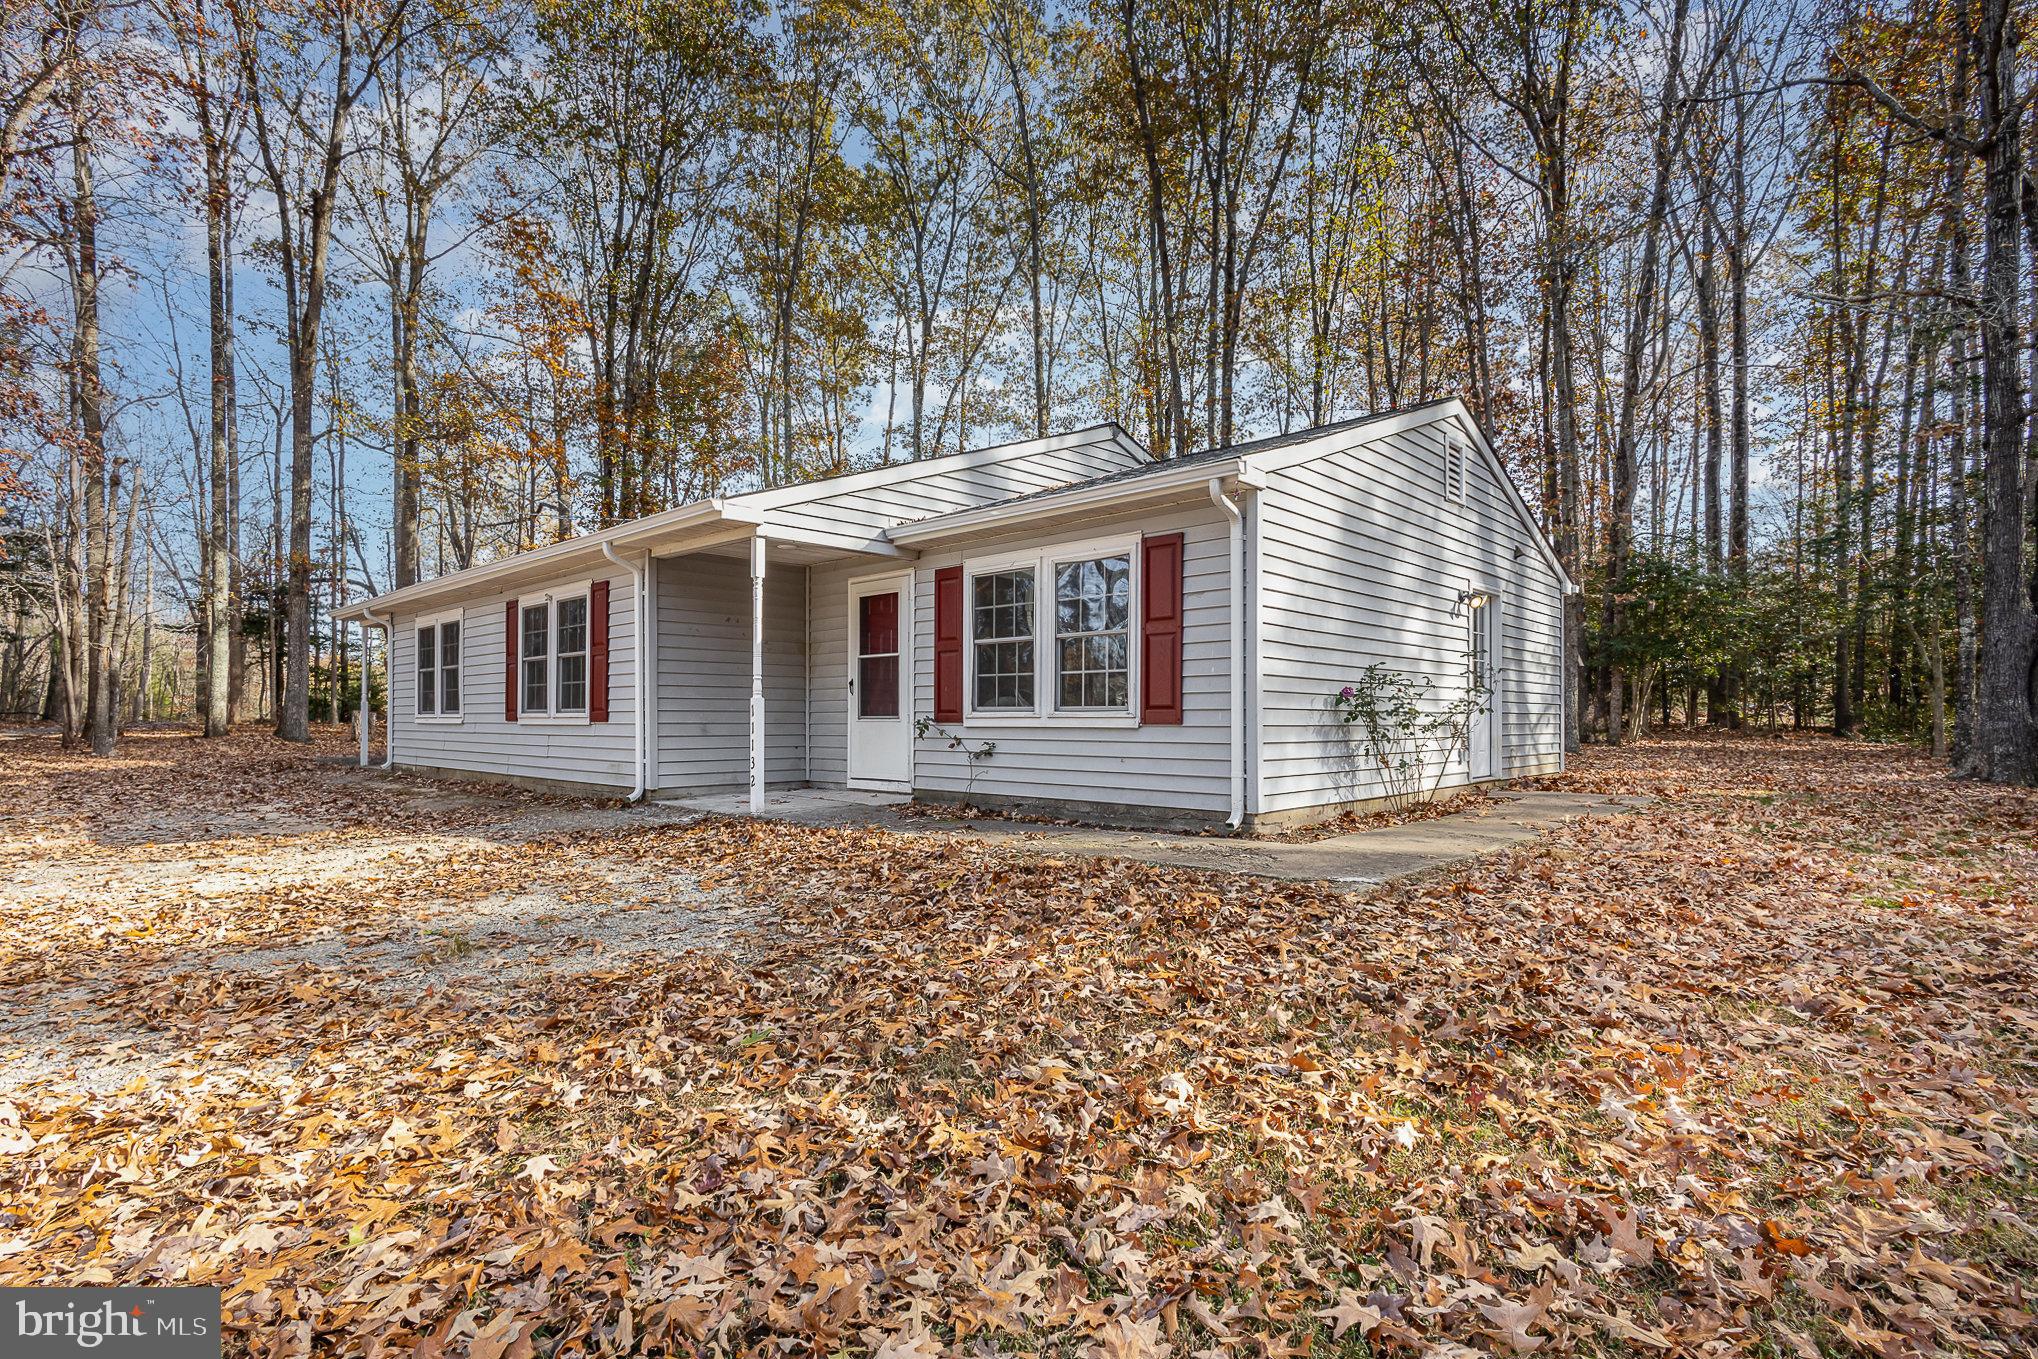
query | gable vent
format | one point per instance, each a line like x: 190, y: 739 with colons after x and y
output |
x: 1454, y: 467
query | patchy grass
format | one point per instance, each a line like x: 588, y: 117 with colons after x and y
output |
x: 1751, y: 1071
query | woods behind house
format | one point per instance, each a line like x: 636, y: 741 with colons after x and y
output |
x: 303, y: 301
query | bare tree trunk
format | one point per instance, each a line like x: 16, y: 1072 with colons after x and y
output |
x: 218, y: 586
x: 2004, y: 739
x: 342, y: 526
x: 404, y: 435
x: 143, y: 708
x: 304, y: 248
x: 102, y: 481
x: 1710, y: 400
x: 1174, y: 415
x: 1005, y: 35
x: 1937, y: 653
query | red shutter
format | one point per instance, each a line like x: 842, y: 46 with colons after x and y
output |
x: 598, y: 652
x: 948, y: 644
x: 1160, y: 630
x: 511, y: 635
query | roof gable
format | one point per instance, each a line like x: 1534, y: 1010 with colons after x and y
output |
x: 1247, y: 461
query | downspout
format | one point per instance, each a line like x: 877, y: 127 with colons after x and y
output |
x: 757, y: 565
x: 650, y: 648
x: 369, y: 620
x: 636, y: 670
x: 1237, y: 531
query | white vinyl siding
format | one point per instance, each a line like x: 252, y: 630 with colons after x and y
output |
x: 1182, y: 768
x: 701, y: 735
x: 1364, y: 561
x: 481, y: 742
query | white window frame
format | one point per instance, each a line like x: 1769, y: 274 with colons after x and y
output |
x: 436, y: 621
x: 550, y: 600
x: 1046, y: 667
x: 990, y: 566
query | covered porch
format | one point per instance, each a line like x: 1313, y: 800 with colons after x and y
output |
x: 713, y: 659
x: 744, y: 689
x: 729, y: 704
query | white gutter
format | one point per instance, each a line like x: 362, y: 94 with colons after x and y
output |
x: 1143, y: 486
x: 369, y: 620
x: 1237, y: 534
x: 637, y: 669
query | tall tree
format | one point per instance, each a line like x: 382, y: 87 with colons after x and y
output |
x: 2003, y: 739
x: 306, y: 69
x: 630, y: 127
x: 1224, y: 83
x: 1526, y: 59
x: 430, y: 125
x: 208, y: 82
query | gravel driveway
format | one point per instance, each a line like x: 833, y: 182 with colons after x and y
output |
x: 481, y: 893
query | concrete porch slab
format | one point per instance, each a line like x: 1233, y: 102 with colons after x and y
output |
x: 803, y: 806
x: 1364, y: 858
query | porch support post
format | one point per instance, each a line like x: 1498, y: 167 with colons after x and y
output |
x: 364, y: 718
x: 757, y: 674
x: 388, y: 626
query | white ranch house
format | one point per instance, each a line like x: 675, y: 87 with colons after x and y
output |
x: 1144, y: 642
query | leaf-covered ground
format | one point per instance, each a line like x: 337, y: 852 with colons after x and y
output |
x: 1753, y: 1071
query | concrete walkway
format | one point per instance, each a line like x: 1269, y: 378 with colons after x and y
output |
x: 1361, y: 859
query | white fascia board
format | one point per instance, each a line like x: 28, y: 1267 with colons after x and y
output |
x: 1186, y: 476
x: 553, y: 560
x: 643, y: 532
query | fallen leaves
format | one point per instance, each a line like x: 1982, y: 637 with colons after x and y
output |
x: 1751, y: 1071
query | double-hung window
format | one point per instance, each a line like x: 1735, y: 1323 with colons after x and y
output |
x: 552, y: 652
x: 536, y: 652
x: 1050, y: 634
x: 438, y: 667
x: 569, y: 654
x: 1001, y: 637
x: 1093, y: 634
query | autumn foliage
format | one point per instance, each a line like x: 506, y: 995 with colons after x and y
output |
x: 1751, y: 1072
